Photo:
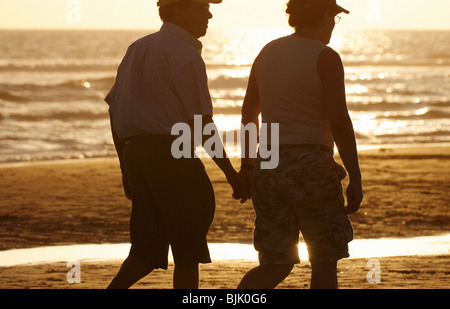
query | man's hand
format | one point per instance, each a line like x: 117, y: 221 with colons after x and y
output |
x: 354, y: 196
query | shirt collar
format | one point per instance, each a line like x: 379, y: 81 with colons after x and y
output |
x: 168, y: 27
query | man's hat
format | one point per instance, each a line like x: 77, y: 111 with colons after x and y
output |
x: 167, y: 2
x: 339, y: 9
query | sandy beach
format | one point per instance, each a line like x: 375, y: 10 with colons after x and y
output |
x: 407, y: 194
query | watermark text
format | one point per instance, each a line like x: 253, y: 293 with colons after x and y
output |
x: 374, y: 274
x: 73, y: 11
x: 74, y: 274
x: 268, y: 140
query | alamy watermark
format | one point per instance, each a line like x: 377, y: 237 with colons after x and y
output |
x: 74, y: 274
x: 73, y: 11
x: 374, y: 11
x: 268, y: 139
x: 374, y: 274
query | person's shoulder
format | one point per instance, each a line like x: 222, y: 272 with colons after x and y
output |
x: 328, y: 51
x: 145, y: 40
x: 274, y: 45
x: 329, y: 55
x: 279, y: 41
x: 139, y: 45
x: 329, y: 59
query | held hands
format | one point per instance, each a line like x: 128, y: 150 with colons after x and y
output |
x: 241, y: 186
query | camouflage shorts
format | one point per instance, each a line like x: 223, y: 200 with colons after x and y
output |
x: 303, y: 194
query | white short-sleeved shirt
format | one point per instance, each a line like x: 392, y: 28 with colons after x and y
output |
x: 161, y: 81
x: 290, y: 90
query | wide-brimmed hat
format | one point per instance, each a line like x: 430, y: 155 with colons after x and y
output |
x: 167, y: 2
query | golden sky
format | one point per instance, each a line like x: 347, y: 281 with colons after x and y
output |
x: 82, y: 14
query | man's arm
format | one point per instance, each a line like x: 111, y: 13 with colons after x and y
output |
x: 191, y: 83
x: 331, y: 71
x: 223, y: 162
x: 120, y: 146
x: 250, y: 114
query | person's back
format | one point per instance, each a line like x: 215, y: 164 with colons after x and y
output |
x: 290, y: 90
x: 149, y: 81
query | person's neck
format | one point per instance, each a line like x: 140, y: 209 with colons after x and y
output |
x: 180, y: 23
x: 312, y: 33
x: 308, y: 33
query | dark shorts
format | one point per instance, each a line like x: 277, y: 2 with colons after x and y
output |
x: 303, y: 194
x: 172, y: 205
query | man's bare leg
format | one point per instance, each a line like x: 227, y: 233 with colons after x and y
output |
x: 265, y: 276
x: 324, y: 276
x: 186, y: 277
x: 132, y: 270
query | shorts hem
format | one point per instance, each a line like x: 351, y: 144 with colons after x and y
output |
x: 328, y: 260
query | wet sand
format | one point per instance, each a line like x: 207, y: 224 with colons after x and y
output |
x: 407, y: 194
x: 430, y: 272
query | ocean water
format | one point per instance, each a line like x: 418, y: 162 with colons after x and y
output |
x: 52, y: 85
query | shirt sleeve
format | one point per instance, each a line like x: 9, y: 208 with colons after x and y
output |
x: 191, y: 84
x: 110, y: 96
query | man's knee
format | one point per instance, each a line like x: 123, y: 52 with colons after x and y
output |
x: 287, y: 268
x: 282, y: 269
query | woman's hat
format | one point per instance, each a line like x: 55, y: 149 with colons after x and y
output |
x: 319, y: 6
x: 167, y: 2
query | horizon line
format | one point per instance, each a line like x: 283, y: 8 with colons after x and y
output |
x: 210, y: 29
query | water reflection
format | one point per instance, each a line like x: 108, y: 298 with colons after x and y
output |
x: 362, y: 248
